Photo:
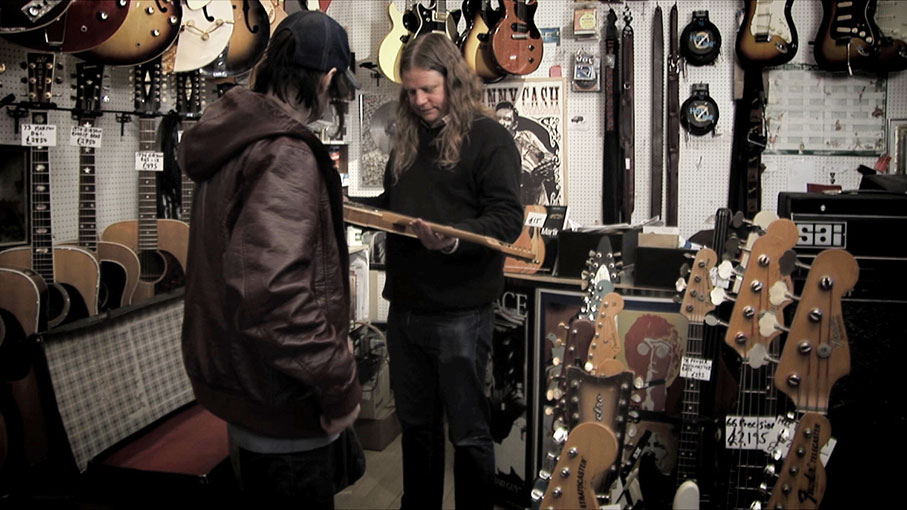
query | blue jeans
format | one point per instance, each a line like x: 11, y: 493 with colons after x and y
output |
x: 437, y: 368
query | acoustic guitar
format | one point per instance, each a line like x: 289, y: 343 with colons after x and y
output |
x: 396, y: 223
x: 476, y: 39
x: 204, y: 34
x: 161, y: 244
x: 119, y: 264
x: 23, y: 15
x: 71, y: 273
x: 247, y: 44
x: 847, y: 35
x: 531, y: 240
x: 767, y: 35
x: 516, y: 42
x: 150, y: 28
x: 24, y: 293
x: 84, y: 25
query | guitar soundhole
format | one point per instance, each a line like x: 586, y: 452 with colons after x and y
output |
x: 58, y: 304
x: 153, y: 266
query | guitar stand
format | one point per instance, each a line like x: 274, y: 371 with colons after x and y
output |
x: 123, y: 119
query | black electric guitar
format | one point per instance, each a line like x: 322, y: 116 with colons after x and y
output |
x: 189, y: 104
x: 435, y: 18
x: 119, y: 264
x: 767, y: 36
x: 816, y: 354
x: 161, y: 244
x: 848, y: 36
x: 18, y: 16
x: 71, y: 273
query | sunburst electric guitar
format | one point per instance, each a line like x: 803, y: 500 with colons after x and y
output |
x: 767, y: 36
x: 150, y: 28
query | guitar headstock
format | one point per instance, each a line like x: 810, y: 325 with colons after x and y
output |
x: 816, y: 353
x: 89, y: 78
x: 801, y: 483
x: 605, y: 346
x: 40, y: 69
x: 190, y: 98
x: 146, y: 82
x: 599, y: 276
x: 587, y: 455
x: 763, y: 270
x: 696, y: 298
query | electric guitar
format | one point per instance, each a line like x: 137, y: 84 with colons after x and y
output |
x: 815, y: 356
x: 204, y: 35
x: 588, y: 453
x: 84, y: 25
x: 247, y: 43
x: 847, y: 35
x: 891, y: 55
x: 531, y: 240
x: 71, y: 273
x: 435, y: 18
x: 119, y: 264
x: 276, y: 13
x: 767, y: 36
x: 161, y: 244
x: 150, y: 28
x: 391, y: 46
x: 189, y: 104
x: 476, y: 39
x: 516, y: 42
x: 18, y: 16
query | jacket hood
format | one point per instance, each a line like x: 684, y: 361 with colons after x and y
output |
x: 228, y: 126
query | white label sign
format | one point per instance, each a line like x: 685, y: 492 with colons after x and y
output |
x: 535, y: 219
x: 696, y: 368
x: 86, y: 136
x: 39, y: 135
x: 747, y: 432
x: 149, y: 160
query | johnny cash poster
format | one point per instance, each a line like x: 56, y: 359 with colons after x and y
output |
x: 534, y: 111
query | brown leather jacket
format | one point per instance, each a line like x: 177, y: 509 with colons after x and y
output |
x: 267, y: 286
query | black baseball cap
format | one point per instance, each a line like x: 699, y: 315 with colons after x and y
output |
x: 321, y: 43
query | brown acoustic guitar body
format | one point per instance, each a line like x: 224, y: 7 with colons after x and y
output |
x: 151, y: 26
x: 86, y: 24
x: 74, y: 293
x: 23, y: 292
x: 516, y: 42
x: 530, y: 239
x: 163, y: 269
x: 13, y: 19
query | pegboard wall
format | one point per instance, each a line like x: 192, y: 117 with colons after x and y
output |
x: 704, y: 161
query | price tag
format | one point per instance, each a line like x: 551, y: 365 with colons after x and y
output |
x: 39, y: 135
x: 747, y: 432
x: 86, y: 136
x: 535, y: 219
x: 696, y: 368
x: 149, y: 160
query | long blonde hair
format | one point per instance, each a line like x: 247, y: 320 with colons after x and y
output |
x: 435, y: 52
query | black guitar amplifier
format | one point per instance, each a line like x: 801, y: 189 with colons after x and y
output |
x: 868, y: 224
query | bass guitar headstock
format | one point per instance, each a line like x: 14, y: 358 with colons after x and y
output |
x: 588, y: 453
x: 801, y: 483
x: 698, y: 287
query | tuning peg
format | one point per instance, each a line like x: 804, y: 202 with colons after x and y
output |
x: 681, y: 284
x: 711, y: 320
x: 788, y: 262
x: 768, y: 324
x: 718, y: 295
x: 685, y: 270
x: 726, y: 270
x: 779, y: 294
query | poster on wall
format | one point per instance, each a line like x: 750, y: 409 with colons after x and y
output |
x: 376, y: 120
x: 534, y: 111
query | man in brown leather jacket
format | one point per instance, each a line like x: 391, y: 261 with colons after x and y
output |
x: 267, y: 292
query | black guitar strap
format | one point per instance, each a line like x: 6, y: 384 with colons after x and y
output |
x: 673, y: 131
x: 627, y: 127
x: 658, y: 114
x: 612, y: 168
x: 745, y: 192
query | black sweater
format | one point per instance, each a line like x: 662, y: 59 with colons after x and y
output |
x: 480, y: 194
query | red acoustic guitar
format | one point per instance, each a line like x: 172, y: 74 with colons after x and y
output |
x: 515, y: 41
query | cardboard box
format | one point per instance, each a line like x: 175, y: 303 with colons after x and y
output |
x: 376, y: 434
x: 377, y: 396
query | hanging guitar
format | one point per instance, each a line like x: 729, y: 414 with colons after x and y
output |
x: 161, y: 244
x: 391, y: 47
x: 530, y: 239
x: 119, y: 264
x: 516, y: 42
x: 767, y: 35
x: 150, y: 28
x: 276, y: 13
x: 21, y: 315
x: 475, y: 42
x: 891, y: 54
x: 71, y: 273
x: 436, y: 19
x: 204, y: 35
x: 189, y: 104
x: 815, y: 356
x: 247, y: 43
x: 18, y: 16
x: 847, y: 36
x: 84, y: 25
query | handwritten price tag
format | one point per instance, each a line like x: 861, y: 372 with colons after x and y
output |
x: 149, y: 160
x: 535, y: 219
x: 39, y: 135
x: 86, y: 136
x: 696, y: 368
x: 747, y: 432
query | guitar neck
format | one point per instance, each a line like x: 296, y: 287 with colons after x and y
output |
x: 690, y: 433
x: 42, y: 234
x: 187, y: 185
x: 88, y: 222
x: 147, y: 221
x: 401, y: 224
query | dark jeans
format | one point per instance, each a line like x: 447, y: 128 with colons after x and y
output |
x: 287, y: 480
x: 437, y: 366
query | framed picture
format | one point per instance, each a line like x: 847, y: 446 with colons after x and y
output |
x: 14, y: 217
x: 897, y: 146
x: 376, y: 131
x: 534, y: 110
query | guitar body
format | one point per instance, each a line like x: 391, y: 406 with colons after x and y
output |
x: 119, y: 274
x: 516, y: 42
x: 847, y: 35
x: 391, y: 46
x: 588, y: 454
x: 530, y: 239
x: 86, y: 24
x: 23, y: 292
x: 74, y: 293
x: 767, y: 36
x: 476, y: 46
x: 13, y: 20
x: 251, y: 32
x: 890, y: 57
x: 276, y: 13
x: 430, y: 20
x: 150, y: 28
x: 168, y: 261
x: 203, y: 36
